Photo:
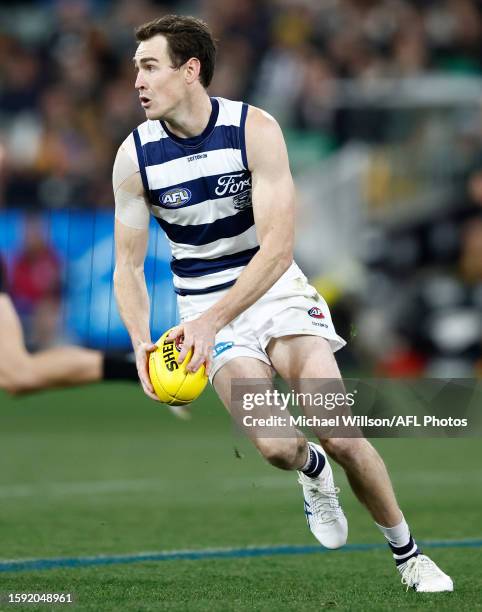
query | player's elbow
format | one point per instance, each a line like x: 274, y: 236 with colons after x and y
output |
x: 126, y: 270
x: 116, y: 277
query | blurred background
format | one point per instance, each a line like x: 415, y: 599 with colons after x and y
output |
x: 380, y: 103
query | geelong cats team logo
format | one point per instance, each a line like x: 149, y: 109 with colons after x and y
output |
x: 242, y: 200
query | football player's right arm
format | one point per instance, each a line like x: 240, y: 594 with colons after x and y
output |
x: 131, y: 238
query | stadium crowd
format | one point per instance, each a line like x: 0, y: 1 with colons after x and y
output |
x: 67, y: 101
x: 66, y: 77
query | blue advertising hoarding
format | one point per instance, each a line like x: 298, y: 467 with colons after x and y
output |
x: 84, y: 243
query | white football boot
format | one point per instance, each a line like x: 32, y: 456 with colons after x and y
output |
x: 323, y: 513
x: 421, y: 574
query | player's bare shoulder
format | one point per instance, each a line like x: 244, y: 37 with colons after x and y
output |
x: 125, y: 172
x: 264, y: 139
x: 260, y: 119
x: 131, y: 203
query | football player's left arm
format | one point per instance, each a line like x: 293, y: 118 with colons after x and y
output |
x: 273, y: 209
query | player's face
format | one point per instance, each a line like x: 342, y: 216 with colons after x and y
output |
x: 160, y: 86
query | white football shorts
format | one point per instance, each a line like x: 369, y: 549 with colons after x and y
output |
x: 291, y: 307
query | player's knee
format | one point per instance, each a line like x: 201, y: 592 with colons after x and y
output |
x: 343, y: 450
x: 283, y: 453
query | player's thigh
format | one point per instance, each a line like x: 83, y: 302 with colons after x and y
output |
x: 308, y: 365
x: 303, y: 356
x: 281, y: 444
x: 235, y: 371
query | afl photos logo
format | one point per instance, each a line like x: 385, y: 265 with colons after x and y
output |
x: 316, y: 313
x: 175, y: 197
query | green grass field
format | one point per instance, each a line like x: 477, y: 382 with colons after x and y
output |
x: 104, y: 471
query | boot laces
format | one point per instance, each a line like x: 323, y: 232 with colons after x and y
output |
x: 323, y: 500
x: 418, y: 568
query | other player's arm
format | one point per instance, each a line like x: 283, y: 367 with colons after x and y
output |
x: 273, y: 208
x: 23, y: 372
x: 131, y: 238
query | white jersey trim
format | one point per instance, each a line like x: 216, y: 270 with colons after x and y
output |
x: 178, y: 171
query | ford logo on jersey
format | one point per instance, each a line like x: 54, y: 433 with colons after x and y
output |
x: 175, y: 197
x: 230, y: 184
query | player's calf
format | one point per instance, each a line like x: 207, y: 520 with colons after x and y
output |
x: 283, y: 453
x: 345, y: 451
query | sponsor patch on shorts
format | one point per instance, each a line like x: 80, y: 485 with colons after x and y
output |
x: 221, y: 347
x: 319, y: 324
x: 316, y: 313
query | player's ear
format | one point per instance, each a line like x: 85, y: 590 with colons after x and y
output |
x: 192, y: 69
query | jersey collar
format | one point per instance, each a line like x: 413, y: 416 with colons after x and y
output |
x: 195, y: 141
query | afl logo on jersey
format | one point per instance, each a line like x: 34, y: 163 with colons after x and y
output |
x: 316, y: 313
x: 175, y: 197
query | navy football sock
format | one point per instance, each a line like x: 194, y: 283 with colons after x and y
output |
x: 402, y: 554
x: 315, y: 462
x: 401, y: 543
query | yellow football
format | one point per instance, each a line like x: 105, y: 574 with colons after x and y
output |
x: 172, y: 383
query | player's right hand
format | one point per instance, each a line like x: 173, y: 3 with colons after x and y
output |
x: 142, y: 352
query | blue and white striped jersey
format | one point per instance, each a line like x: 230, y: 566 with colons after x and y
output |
x: 200, y: 194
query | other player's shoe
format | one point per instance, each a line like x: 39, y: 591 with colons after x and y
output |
x: 324, y: 515
x: 422, y: 574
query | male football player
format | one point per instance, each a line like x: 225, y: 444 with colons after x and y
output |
x: 215, y: 175
x: 24, y: 372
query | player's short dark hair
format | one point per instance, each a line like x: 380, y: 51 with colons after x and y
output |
x: 186, y: 37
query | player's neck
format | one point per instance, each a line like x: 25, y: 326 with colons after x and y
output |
x: 191, y: 117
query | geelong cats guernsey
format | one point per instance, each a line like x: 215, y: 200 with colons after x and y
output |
x: 200, y: 194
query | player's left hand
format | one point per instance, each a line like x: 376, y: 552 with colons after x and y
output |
x: 199, y: 335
